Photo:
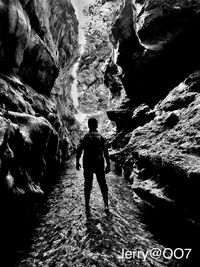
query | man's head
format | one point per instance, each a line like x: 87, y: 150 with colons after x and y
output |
x: 92, y: 124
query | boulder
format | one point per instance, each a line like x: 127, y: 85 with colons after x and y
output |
x: 127, y: 119
x: 25, y: 145
x: 158, y: 23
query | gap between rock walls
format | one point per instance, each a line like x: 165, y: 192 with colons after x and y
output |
x: 134, y: 65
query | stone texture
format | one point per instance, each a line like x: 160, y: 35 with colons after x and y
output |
x: 38, y: 43
x: 25, y: 146
x: 161, y: 158
x: 112, y: 79
x: 159, y: 22
x: 159, y: 49
x: 95, y: 84
x: 30, y: 126
x: 127, y: 119
x: 37, y: 38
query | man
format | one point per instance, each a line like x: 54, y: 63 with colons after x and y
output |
x: 94, y: 146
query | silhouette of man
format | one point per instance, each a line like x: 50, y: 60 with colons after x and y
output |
x: 94, y: 146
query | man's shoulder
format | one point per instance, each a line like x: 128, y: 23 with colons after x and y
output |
x: 86, y: 135
x: 95, y: 135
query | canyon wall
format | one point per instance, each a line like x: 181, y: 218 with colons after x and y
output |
x: 98, y: 85
x: 158, y: 46
x: 38, y: 44
x: 158, y: 126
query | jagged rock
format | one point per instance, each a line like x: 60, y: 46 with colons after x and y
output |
x: 122, y: 118
x: 28, y: 146
x: 128, y: 119
x: 166, y: 151
x: 37, y: 40
x: 15, y: 35
x: 98, y: 50
x: 171, y: 120
x: 142, y: 115
x: 38, y: 67
x: 34, y: 43
x: 112, y: 79
x: 159, y: 22
x: 159, y: 49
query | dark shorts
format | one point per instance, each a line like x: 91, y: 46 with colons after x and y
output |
x: 100, y: 174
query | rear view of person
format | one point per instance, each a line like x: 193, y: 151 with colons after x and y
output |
x: 95, y: 151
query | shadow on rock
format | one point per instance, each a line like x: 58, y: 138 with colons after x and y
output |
x: 174, y: 230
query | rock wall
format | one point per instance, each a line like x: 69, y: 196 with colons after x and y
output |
x: 158, y: 127
x: 158, y: 46
x: 161, y: 158
x: 94, y: 83
x: 38, y: 43
x: 97, y: 84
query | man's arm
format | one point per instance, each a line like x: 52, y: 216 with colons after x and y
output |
x: 106, y: 155
x: 78, y: 154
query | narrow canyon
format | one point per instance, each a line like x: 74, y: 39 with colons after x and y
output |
x: 134, y: 65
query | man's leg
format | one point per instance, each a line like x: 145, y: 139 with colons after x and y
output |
x: 88, y: 175
x: 103, y: 186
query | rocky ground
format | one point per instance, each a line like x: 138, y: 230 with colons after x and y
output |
x: 64, y: 237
